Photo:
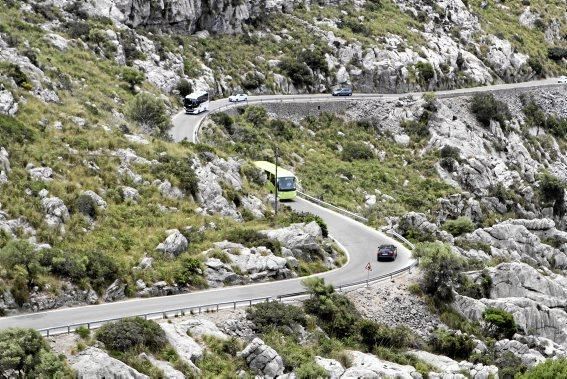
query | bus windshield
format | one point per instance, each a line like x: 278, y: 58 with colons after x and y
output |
x: 286, y: 184
x: 191, y: 103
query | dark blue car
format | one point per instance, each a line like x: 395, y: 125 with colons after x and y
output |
x: 342, y: 92
x: 389, y: 252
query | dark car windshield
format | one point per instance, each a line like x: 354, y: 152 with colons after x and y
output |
x: 286, y: 184
x: 387, y: 248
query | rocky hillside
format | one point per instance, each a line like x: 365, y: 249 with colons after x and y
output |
x: 307, y: 46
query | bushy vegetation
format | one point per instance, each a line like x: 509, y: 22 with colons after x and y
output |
x: 459, y: 226
x: 355, y: 151
x: 441, y: 269
x: 274, y: 315
x: 499, y: 323
x: 131, y: 333
x: 550, y: 369
x: 28, y: 354
x: 306, y: 217
x: 486, y: 108
x: 552, y: 191
x: 253, y: 238
x: 455, y: 345
x: 149, y: 113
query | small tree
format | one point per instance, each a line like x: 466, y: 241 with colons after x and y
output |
x: 441, y: 269
x: 275, y: 315
x: 356, y: 151
x: 149, y: 112
x: 486, y: 108
x: 451, y: 344
x: 552, y: 190
x: 184, y: 87
x: 27, y: 353
x: 499, y: 323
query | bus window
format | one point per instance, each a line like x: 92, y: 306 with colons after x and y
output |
x: 286, y: 184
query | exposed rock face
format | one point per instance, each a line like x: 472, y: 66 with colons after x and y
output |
x: 199, y: 327
x: 262, y: 359
x: 302, y: 239
x: 13, y: 226
x: 531, y: 350
x: 369, y: 366
x: 168, y: 370
x: 254, y: 264
x: 8, y: 105
x: 44, y: 300
x: 56, y: 213
x: 513, y: 240
x: 537, y: 302
x: 445, y: 365
x: 95, y: 363
x: 417, y: 222
x: 169, y: 191
x: 189, y: 350
x: 129, y: 193
x: 333, y: 368
x: 115, y: 291
x: 4, y: 165
x: 99, y: 201
x: 44, y: 174
x: 174, y: 244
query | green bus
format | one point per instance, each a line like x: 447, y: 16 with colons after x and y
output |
x: 286, y: 180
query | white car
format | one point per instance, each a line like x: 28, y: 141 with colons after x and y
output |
x: 238, y: 98
x: 562, y: 80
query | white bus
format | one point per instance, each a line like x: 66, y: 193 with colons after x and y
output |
x: 196, y: 103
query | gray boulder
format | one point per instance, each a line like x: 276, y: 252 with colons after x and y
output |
x: 262, y: 359
x: 56, y: 213
x: 115, y: 291
x: 8, y: 105
x: 413, y: 221
x: 188, y: 350
x: 169, y: 191
x: 174, y: 244
x: 302, y: 239
x: 333, y: 368
x: 129, y: 193
x: 44, y: 174
x: 369, y: 366
x: 168, y: 370
x: 93, y: 363
x: 199, y: 327
x: 98, y: 201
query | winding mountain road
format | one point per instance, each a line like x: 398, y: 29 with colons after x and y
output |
x: 358, y: 239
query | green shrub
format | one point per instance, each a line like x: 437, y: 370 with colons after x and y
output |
x: 315, y: 59
x: 224, y: 120
x: 454, y: 345
x: 258, y: 116
x: 251, y: 238
x: 486, y: 108
x: 297, y: 71
x: 510, y: 365
x: 190, y: 271
x: 77, y: 29
x: 21, y: 258
x: 83, y: 332
x: 550, y: 369
x: 184, y: 87
x: 356, y: 151
x: 425, y: 70
x: 131, y: 333
x: 459, y: 226
x: 418, y: 130
x: 181, y: 170
x: 26, y: 352
x: 149, y: 112
x: 337, y: 315
x: 275, y: 315
x: 478, y: 289
x: 557, y: 53
x: 86, y: 205
x: 252, y: 81
x: 132, y: 76
x: 373, y: 334
x: 310, y: 370
x: 441, y: 268
x: 13, y: 131
x: 499, y: 323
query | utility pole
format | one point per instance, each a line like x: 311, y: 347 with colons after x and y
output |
x: 276, y: 184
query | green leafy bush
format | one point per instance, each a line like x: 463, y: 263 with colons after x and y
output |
x: 552, y: 191
x: 550, y: 369
x: 149, y: 113
x: 441, y: 269
x: 190, y: 271
x: 275, y: 315
x: 356, y: 151
x: 425, y: 70
x: 83, y: 332
x: 459, y: 226
x: 486, y: 108
x: 184, y: 87
x: 454, y: 345
x: 337, y: 315
x: 418, y: 130
x: 27, y: 353
x: 373, y: 334
x: 499, y: 323
x: 130, y: 333
x: 297, y: 71
x: 181, y: 170
x: 86, y: 205
x: 15, y: 72
x: 557, y: 53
